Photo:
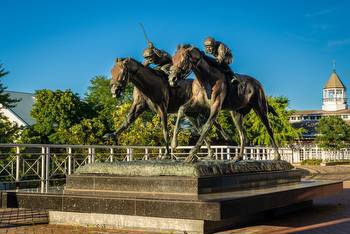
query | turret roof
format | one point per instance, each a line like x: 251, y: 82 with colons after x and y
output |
x: 334, y: 81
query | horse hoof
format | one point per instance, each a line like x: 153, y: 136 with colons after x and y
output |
x: 191, y: 159
x: 237, y: 159
x: 165, y: 157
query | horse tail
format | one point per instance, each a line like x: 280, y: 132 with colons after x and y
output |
x: 271, y: 110
x: 264, y: 103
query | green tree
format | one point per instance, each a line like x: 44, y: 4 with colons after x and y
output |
x: 54, y: 111
x: 146, y: 130
x: 256, y: 132
x: 8, y: 131
x: 284, y: 132
x: 5, y: 99
x: 99, y: 94
x: 99, y: 98
x: 333, y: 133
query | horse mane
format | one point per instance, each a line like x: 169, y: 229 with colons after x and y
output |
x: 155, y: 72
x: 184, y: 46
x: 211, y: 61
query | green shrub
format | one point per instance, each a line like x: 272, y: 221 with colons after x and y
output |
x: 311, y: 162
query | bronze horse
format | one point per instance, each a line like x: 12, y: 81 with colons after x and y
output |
x: 244, y: 94
x: 152, y: 92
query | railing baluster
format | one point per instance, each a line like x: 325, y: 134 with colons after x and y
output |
x: 69, y: 160
x: 111, y: 154
x: 18, y: 152
x: 42, y: 169
x: 47, y: 168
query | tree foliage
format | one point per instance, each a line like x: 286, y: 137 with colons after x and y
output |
x: 147, y: 129
x: 54, y: 111
x: 8, y: 131
x: 284, y: 132
x: 333, y: 133
x: 256, y: 132
x: 5, y: 99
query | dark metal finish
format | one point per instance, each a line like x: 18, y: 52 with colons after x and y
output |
x: 215, y: 93
x: 152, y: 92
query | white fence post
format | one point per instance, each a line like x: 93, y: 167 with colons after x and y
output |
x: 43, y: 156
x: 111, y: 154
x: 18, y: 155
x: 146, y: 154
x: 89, y: 155
x: 69, y: 160
x: 47, y: 168
x: 93, y: 155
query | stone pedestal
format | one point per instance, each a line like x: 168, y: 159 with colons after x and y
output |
x: 201, y: 198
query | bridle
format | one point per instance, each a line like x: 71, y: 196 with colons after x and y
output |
x: 182, y: 72
x: 121, y: 83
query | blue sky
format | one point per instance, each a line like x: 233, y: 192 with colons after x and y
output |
x: 287, y: 45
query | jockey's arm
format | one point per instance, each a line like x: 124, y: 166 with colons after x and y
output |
x: 222, y: 50
x: 146, y: 62
x: 224, y: 54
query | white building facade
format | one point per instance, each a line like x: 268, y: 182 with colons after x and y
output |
x: 334, y: 103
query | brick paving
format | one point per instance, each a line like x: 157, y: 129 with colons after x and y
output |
x: 329, y: 215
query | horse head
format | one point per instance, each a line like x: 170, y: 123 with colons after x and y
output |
x: 185, y: 58
x: 120, y: 75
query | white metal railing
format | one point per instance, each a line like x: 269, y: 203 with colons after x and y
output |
x: 39, y: 163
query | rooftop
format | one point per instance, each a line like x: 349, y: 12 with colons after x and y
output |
x: 321, y: 112
x: 334, y: 81
x: 24, y: 106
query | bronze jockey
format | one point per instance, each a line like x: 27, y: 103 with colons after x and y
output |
x: 222, y: 54
x: 160, y: 58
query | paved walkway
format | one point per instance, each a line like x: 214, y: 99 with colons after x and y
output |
x: 328, y: 216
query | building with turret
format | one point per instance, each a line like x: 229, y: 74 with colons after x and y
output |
x: 334, y: 103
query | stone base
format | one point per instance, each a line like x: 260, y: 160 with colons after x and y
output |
x: 128, y: 222
x: 175, y: 187
x: 196, y: 198
x: 215, y: 211
x: 168, y: 225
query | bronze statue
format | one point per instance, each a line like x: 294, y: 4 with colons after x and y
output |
x: 152, y: 55
x: 158, y: 57
x: 222, y: 54
x: 152, y: 92
x: 215, y: 94
x: 219, y: 50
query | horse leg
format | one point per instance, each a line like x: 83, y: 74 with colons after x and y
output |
x: 196, y: 124
x: 223, y: 133
x: 135, y: 111
x: 238, y: 121
x: 262, y: 113
x: 180, y: 114
x: 164, y: 120
x: 214, y: 111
